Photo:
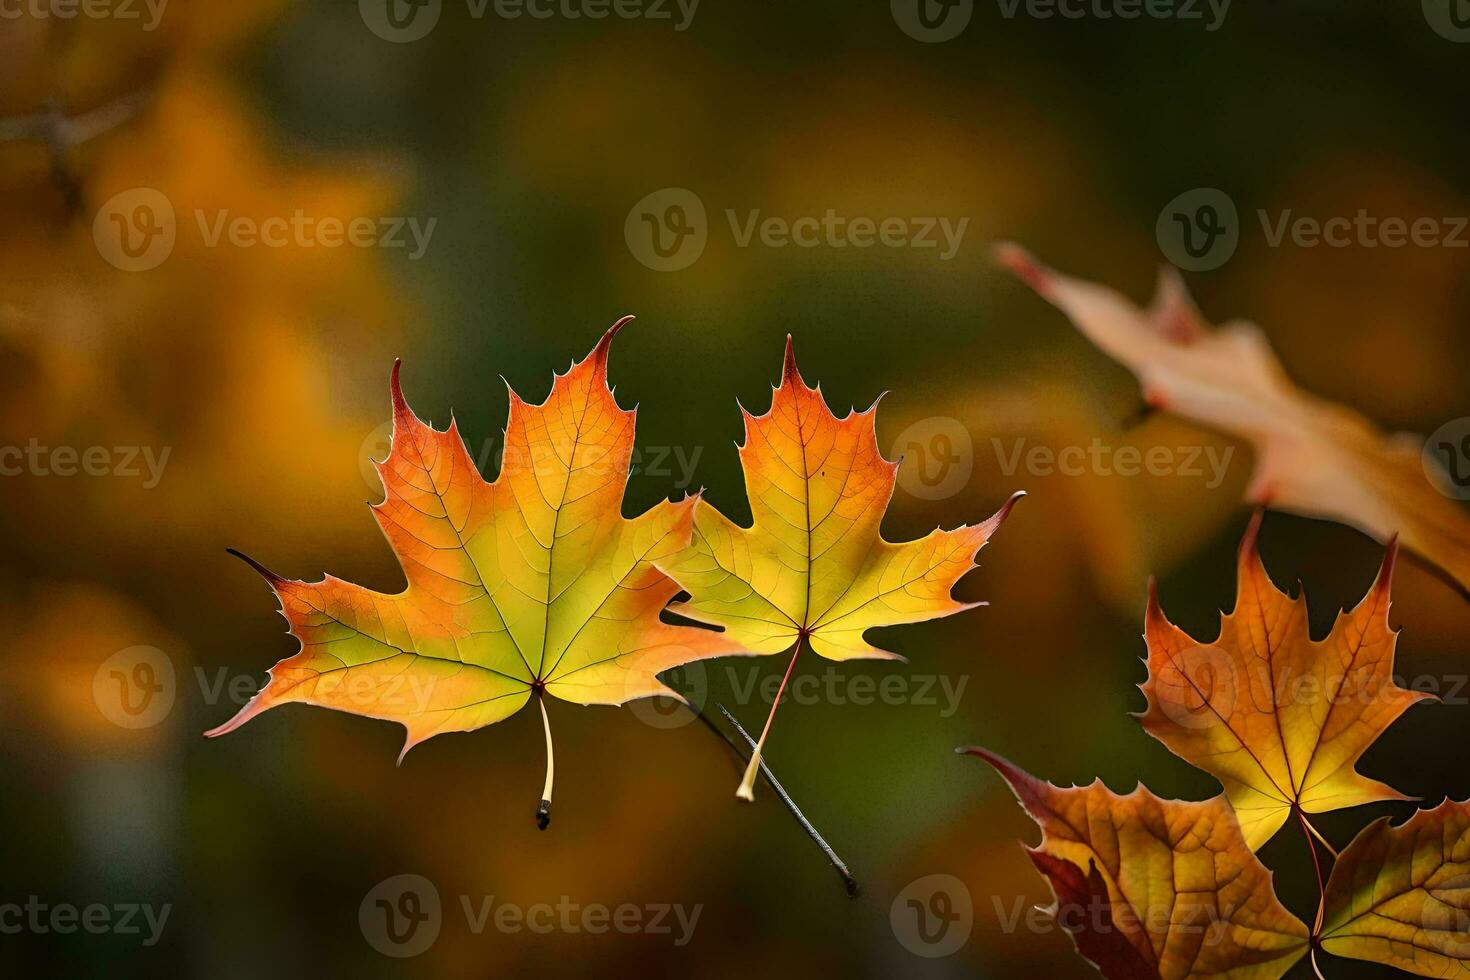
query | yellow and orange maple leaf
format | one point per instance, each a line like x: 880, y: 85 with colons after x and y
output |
x: 1154, y: 889
x: 1401, y: 895
x: 1279, y: 718
x: 813, y: 567
x: 528, y: 586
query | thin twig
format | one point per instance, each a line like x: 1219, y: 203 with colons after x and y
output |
x: 848, y: 881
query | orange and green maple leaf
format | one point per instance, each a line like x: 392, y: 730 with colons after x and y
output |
x: 1279, y: 718
x: 1401, y: 895
x: 1154, y: 889
x: 813, y: 567
x: 531, y: 585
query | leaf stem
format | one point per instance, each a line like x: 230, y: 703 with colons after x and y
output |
x: 1307, y: 832
x: 543, y: 812
x: 848, y: 881
x: 1323, y: 840
x: 747, y: 784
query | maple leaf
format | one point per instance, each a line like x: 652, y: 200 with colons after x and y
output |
x: 813, y: 566
x: 1279, y: 718
x: 532, y: 585
x: 1313, y: 457
x: 1152, y: 888
x: 1401, y: 895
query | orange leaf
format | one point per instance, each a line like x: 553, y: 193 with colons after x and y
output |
x: 1279, y: 718
x: 1401, y: 895
x: 532, y: 585
x: 814, y: 566
x: 1156, y: 889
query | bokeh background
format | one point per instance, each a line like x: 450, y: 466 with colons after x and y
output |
x: 263, y: 373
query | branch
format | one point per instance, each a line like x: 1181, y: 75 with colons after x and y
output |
x: 848, y: 881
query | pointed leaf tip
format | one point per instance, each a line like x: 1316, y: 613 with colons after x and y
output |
x: 1022, y: 264
x: 1248, y: 544
x: 604, y: 346
x: 789, y: 370
x: 1007, y: 507
x: 1390, y: 562
x: 395, y: 387
x: 260, y: 569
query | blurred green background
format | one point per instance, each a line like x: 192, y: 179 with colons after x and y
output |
x: 263, y: 372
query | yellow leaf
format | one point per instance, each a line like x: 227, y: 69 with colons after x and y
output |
x: 1401, y: 895
x: 1313, y: 457
x: 1152, y: 888
x: 1279, y: 718
x: 532, y: 585
x: 813, y: 566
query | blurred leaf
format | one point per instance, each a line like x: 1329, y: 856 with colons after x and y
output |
x: 1313, y: 457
